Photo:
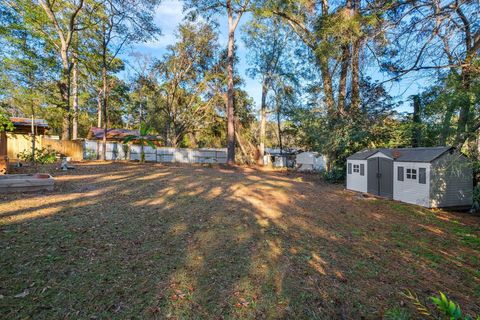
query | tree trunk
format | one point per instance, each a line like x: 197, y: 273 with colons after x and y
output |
x: 342, y: 85
x: 33, y: 135
x: 230, y: 88
x: 263, y: 122
x: 64, y: 87
x: 356, y: 65
x: 355, y: 75
x: 99, y: 109
x: 75, y: 99
x: 417, y: 122
x: 327, y: 86
x: 446, y: 123
x: 279, y: 126
x: 104, y: 111
x: 464, y: 109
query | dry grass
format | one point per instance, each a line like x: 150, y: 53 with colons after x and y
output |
x: 152, y: 241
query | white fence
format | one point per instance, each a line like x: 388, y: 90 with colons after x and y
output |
x: 120, y: 151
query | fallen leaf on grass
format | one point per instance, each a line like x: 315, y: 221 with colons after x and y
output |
x: 23, y: 294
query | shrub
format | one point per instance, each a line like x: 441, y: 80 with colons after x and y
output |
x: 336, y: 175
x: 444, y: 308
x: 476, y: 199
x: 42, y: 156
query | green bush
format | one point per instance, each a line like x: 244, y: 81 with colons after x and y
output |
x: 336, y: 175
x: 476, y: 199
x: 42, y: 156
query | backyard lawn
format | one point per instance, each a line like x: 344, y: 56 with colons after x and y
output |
x: 125, y: 240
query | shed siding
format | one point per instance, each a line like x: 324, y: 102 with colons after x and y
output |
x: 310, y: 161
x: 410, y: 190
x: 355, y: 181
x: 451, y: 181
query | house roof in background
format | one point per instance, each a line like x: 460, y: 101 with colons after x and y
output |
x: 22, y: 122
x: 96, y: 133
x: 404, y: 154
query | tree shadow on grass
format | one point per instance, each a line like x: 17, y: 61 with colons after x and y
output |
x: 153, y: 241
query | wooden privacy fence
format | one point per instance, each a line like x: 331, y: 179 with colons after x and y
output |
x: 68, y: 148
x: 18, y: 143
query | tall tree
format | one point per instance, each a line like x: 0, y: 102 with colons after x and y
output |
x: 269, y: 44
x: 63, y: 18
x: 417, y: 121
x: 120, y: 23
x: 234, y: 10
x: 334, y: 33
x: 56, y: 22
x: 446, y: 44
x: 183, y: 94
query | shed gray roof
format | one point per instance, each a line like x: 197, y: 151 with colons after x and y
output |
x: 404, y: 154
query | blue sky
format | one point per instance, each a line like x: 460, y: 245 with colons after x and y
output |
x: 170, y: 13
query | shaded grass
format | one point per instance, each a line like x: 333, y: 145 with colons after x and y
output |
x: 130, y: 241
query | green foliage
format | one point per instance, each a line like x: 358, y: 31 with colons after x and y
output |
x: 5, y: 123
x: 447, y: 307
x: 90, y: 155
x: 444, y: 308
x: 397, y: 313
x: 143, y: 138
x: 42, y: 156
x: 336, y: 175
x: 476, y: 199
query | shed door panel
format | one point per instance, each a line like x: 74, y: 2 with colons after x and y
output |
x: 372, y: 176
x: 385, y: 168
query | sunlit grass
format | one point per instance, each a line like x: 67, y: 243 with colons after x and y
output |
x: 130, y: 241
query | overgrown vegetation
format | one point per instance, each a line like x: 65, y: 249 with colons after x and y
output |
x: 42, y: 156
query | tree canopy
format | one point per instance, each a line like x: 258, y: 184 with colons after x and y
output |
x: 324, y: 70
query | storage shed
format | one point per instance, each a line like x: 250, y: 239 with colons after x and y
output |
x: 310, y: 161
x: 429, y: 177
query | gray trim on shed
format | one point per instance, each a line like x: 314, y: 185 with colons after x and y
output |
x: 404, y: 154
x: 442, y: 175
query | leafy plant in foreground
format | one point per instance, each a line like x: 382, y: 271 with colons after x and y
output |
x: 446, y: 309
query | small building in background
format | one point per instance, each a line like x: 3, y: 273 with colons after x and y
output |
x: 116, y: 148
x: 118, y: 135
x: 20, y: 139
x: 25, y: 126
x: 429, y: 177
x: 280, y: 158
x: 310, y: 161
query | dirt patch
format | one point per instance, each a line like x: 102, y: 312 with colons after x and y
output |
x: 120, y: 240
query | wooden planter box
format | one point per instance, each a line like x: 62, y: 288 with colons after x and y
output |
x: 26, y: 183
